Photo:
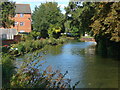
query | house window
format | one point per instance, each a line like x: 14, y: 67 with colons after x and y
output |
x: 4, y: 36
x: 21, y: 23
x: 21, y: 15
x: 16, y: 23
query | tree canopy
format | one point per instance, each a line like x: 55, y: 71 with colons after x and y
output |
x: 107, y: 21
x: 79, y: 16
x: 7, y: 11
x: 46, y: 15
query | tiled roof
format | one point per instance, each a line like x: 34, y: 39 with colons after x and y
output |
x: 23, y: 8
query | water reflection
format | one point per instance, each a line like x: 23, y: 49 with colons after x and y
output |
x: 83, y: 64
x: 53, y: 50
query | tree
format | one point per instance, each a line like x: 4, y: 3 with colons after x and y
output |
x: 80, y: 16
x: 7, y: 11
x: 72, y: 20
x: 87, y: 12
x: 54, y: 31
x: 106, y: 27
x: 45, y: 15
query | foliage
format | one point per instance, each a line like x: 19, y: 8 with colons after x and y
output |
x: 5, y: 49
x: 34, y: 35
x: 86, y: 14
x: 71, y: 17
x: 7, y: 12
x: 74, y: 32
x: 31, y: 45
x: 107, y: 21
x: 54, y: 31
x: 106, y: 28
x: 67, y: 26
x: 30, y: 75
x: 8, y: 69
x: 45, y: 15
x: 79, y: 17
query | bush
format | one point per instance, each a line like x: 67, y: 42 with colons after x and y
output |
x: 8, y: 69
x: 31, y: 45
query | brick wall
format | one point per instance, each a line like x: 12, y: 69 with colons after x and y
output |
x: 27, y: 22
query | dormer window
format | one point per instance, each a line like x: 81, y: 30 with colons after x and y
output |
x: 21, y: 15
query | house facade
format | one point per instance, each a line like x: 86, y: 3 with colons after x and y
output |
x: 22, y: 18
x: 22, y: 23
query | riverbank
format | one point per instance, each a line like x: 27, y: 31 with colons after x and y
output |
x: 82, y: 63
x: 18, y: 78
x: 27, y: 46
x: 87, y: 39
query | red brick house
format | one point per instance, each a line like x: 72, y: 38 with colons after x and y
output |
x: 22, y: 18
x: 22, y: 22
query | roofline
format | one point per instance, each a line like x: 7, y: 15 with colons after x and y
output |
x: 24, y: 4
x: 24, y: 13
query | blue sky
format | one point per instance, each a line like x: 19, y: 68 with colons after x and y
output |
x: 33, y: 3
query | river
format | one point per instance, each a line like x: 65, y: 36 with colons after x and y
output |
x: 83, y: 64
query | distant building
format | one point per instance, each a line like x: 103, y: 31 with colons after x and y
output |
x: 22, y: 18
x: 22, y: 22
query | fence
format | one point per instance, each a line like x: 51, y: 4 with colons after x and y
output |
x: 7, y: 34
x: 17, y: 38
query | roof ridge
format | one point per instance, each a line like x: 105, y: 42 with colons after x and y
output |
x: 23, y: 8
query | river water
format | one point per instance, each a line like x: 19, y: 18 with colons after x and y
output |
x: 82, y: 64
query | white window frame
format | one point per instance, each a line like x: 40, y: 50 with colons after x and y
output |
x: 22, y: 30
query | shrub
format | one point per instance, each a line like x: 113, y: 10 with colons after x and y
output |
x: 31, y: 45
x: 8, y: 69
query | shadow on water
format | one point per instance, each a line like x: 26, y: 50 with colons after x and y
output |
x: 80, y: 59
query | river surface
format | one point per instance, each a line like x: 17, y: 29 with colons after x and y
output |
x: 82, y: 64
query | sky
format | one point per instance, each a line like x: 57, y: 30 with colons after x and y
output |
x: 33, y: 3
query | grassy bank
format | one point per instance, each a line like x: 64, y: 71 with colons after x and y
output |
x: 27, y: 46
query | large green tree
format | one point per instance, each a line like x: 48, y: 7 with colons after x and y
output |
x: 80, y: 16
x: 46, y: 15
x: 71, y: 19
x: 7, y: 11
